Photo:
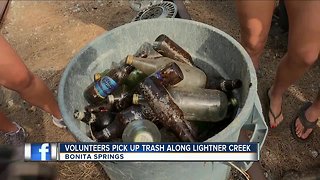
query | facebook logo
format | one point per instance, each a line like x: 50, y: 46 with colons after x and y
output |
x: 40, y: 152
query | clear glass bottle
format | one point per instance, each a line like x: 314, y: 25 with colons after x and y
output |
x: 197, y: 104
x: 201, y: 104
x: 193, y: 76
x: 141, y: 131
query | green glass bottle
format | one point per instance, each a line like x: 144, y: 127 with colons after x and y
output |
x: 134, y: 78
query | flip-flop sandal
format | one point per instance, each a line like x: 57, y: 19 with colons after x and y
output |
x: 304, y: 121
x: 275, y: 117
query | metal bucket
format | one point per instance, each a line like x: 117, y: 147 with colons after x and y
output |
x: 210, y: 47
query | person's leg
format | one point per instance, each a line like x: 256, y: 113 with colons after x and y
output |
x: 14, y: 75
x: 312, y: 114
x: 6, y: 125
x: 255, y: 21
x: 303, y: 50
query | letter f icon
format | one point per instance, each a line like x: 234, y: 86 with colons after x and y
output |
x: 44, y: 150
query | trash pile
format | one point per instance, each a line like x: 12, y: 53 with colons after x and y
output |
x: 157, y: 94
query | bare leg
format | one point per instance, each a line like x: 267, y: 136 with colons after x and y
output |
x: 312, y: 114
x: 303, y: 50
x: 14, y: 75
x: 255, y: 21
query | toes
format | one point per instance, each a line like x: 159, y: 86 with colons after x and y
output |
x: 299, y: 128
x: 278, y: 121
x: 272, y: 123
x: 299, y: 133
x: 306, y: 134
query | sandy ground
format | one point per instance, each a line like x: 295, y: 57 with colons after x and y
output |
x: 47, y: 34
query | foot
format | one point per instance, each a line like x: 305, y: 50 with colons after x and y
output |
x: 17, y: 137
x: 275, y: 110
x: 311, y: 116
x: 59, y: 122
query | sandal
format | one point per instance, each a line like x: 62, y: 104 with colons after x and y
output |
x: 269, y: 109
x: 304, y: 121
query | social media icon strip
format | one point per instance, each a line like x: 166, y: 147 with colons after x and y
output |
x: 40, y: 152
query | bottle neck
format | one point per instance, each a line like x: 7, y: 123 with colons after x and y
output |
x: 137, y: 99
x: 85, y: 117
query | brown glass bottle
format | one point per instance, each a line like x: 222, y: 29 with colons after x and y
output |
x: 100, y: 119
x: 104, y: 85
x: 193, y: 76
x: 120, y: 101
x: 116, y: 127
x: 145, y: 109
x: 168, y: 48
x: 104, y: 107
x: 168, y: 113
x: 169, y: 75
x: 85, y: 117
x: 225, y: 85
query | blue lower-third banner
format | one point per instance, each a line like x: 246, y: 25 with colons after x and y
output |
x: 206, y: 151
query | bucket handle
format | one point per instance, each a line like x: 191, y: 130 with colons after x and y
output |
x: 259, y: 129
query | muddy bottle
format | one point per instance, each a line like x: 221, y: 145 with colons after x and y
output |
x: 224, y: 84
x: 104, y: 107
x: 101, y: 119
x: 85, y: 117
x: 168, y: 136
x: 115, y: 129
x: 168, y: 48
x: 197, y: 104
x: 121, y: 101
x: 163, y: 106
x: 201, y: 104
x: 193, y: 76
x: 104, y: 85
x: 146, y: 110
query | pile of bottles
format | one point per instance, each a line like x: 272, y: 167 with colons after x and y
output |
x: 157, y: 94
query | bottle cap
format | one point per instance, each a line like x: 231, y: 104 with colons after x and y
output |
x: 135, y: 99
x: 111, y: 99
x: 129, y: 59
x: 78, y: 115
x: 97, y: 77
x: 233, y: 101
x: 143, y: 136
